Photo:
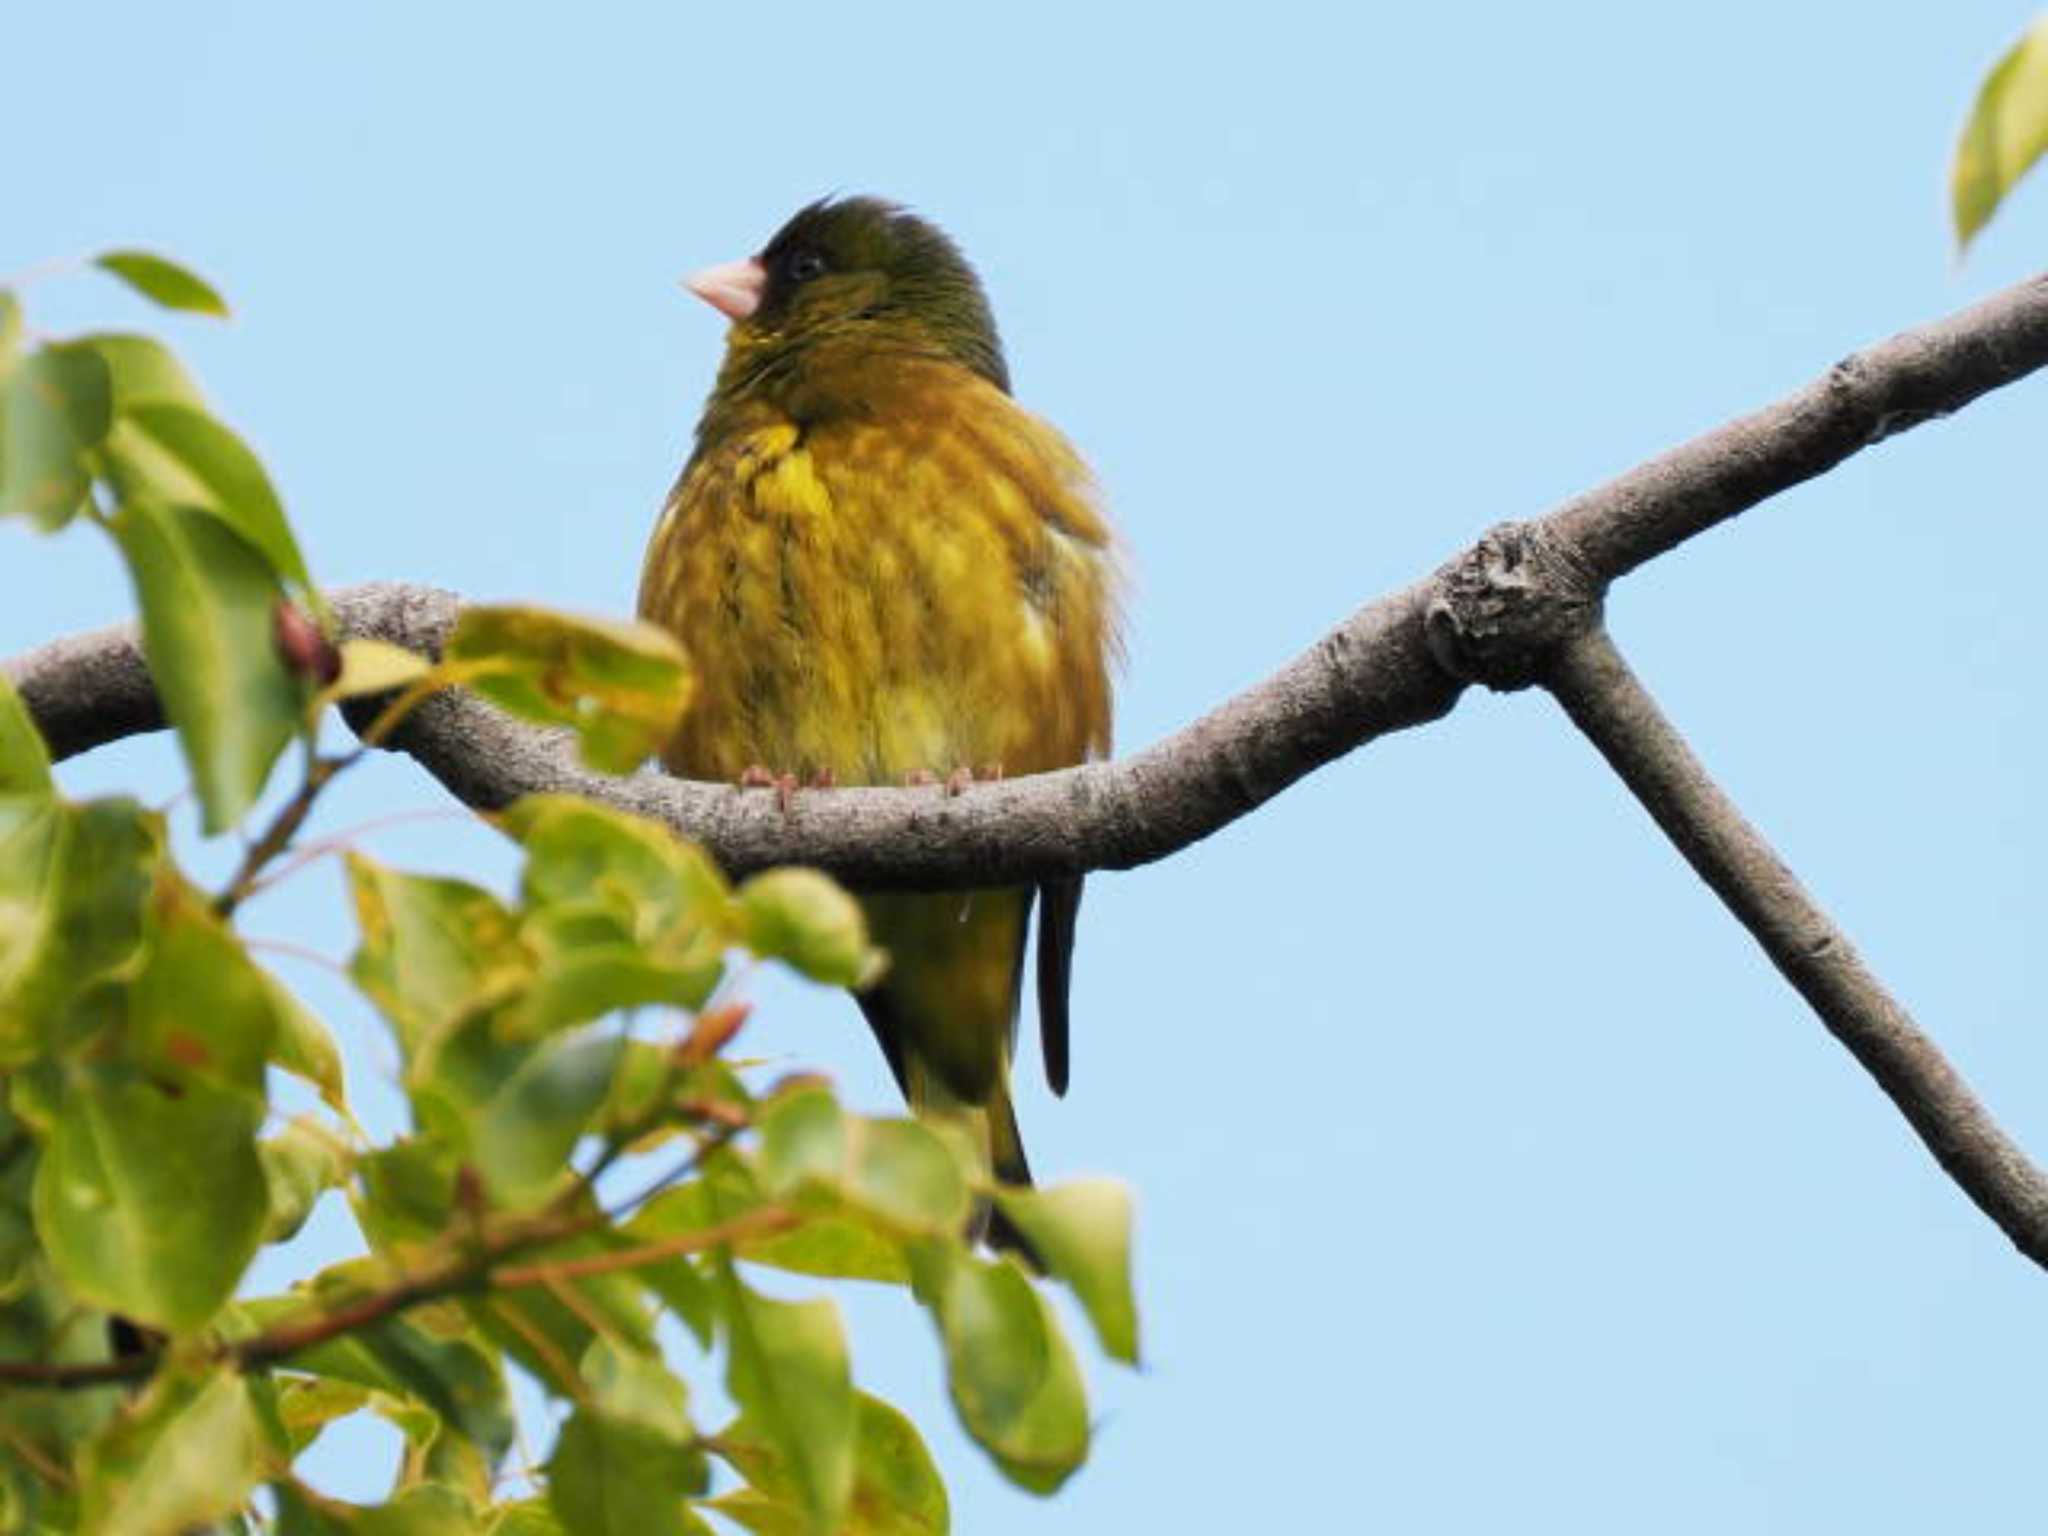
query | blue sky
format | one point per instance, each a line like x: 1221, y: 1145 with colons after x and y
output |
x: 1488, y: 1177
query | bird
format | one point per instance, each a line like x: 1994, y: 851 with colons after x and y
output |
x: 886, y: 571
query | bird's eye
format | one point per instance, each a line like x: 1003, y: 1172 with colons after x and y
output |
x: 805, y: 265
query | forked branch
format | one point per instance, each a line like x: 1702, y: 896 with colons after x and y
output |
x: 1521, y: 606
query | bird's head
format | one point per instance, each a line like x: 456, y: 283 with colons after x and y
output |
x: 856, y: 270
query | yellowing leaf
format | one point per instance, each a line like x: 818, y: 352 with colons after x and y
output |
x: 2006, y: 133
x: 374, y: 666
x: 619, y: 686
x: 303, y: 1047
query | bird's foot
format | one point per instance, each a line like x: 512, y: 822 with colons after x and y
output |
x: 758, y: 776
x: 960, y: 780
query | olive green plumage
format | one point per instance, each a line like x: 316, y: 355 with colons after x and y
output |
x: 882, y: 566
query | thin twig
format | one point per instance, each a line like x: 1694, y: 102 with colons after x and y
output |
x: 284, y: 826
x: 294, y: 951
x: 765, y: 1222
x: 347, y: 838
x: 1606, y: 701
x: 476, y: 1268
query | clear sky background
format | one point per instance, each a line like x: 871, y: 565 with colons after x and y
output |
x: 1488, y: 1177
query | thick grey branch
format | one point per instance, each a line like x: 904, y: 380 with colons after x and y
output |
x: 1914, y: 377
x: 1522, y: 605
x: 1371, y: 675
x: 1398, y: 662
x: 1594, y: 684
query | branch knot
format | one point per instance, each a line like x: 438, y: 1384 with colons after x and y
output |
x: 1500, y: 609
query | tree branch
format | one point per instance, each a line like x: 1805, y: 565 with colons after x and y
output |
x: 1593, y: 682
x: 1379, y: 671
x: 1521, y: 606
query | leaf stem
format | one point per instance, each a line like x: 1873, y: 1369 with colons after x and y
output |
x: 275, y: 838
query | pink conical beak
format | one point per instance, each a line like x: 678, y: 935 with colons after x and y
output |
x: 734, y: 289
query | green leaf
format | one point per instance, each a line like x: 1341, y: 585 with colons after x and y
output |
x: 308, y: 1404
x: 543, y: 1331
x: 610, y: 1476
x: 149, y: 1203
x: 24, y: 759
x: 903, y: 1173
x: 523, y: 1134
x: 74, y: 884
x: 54, y: 408
x: 2006, y: 132
x: 303, y: 1047
x: 143, y: 371
x: 625, y: 1462
x: 804, y: 919
x: 1082, y: 1230
x: 621, y: 687
x: 637, y: 1388
x: 865, y: 1187
x: 1013, y: 1377
x: 10, y: 329
x: 677, y: 1281
x: 667, y: 890
x: 528, y: 1517
x: 408, y: 1197
x: 451, y: 1376
x: 803, y: 1140
x: 407, y: 1192
x: 621, y: 913
x: 181, y: 454
x: 207, y: 598
x: 425, y: 1509
x: 41, y: 1320
x: 433, y: 951
x: 300, y: 1164
x: 185, y: 1453
x: 788, y: 1372
x: 200, y: 1007
x: 164, y: 282
x: 589, y: 965
x: 833, y: 1247
x: 897, y: 1490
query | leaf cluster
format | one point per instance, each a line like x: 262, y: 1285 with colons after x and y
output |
x: 581, y: 1157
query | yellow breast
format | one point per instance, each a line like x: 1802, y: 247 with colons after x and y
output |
x: 927, y: 588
